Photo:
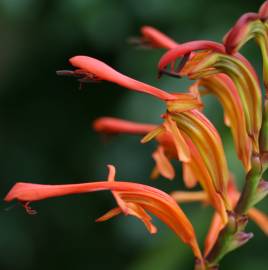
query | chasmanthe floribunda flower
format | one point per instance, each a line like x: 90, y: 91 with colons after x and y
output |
x: 89, y: 68
x: 213, y: 60
x: 221, y: 86
x: 132, y: 199
x: 194, y: 166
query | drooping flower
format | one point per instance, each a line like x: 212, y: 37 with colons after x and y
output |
x: 183, y: 142
x: 250, y: 26
x: 220, y: 85
x: 223, y: 88
x: 132, y: 199
x: 213, y: 60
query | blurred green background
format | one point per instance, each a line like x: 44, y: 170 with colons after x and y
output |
x: 46, y: 135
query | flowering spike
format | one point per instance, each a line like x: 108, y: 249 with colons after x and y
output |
x: 136, y: 197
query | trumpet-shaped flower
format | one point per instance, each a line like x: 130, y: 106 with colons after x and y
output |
x: 90, y: 68
x: 132, y: 199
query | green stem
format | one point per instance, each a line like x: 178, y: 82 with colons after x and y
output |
x: 233, y: 236
x: 253, y: 179
x: 264, y: 128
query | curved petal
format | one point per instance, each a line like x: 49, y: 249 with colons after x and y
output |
x: 148, y: 198
x: 208, y: 142
x: 163, y: 164
x: 224, y: 89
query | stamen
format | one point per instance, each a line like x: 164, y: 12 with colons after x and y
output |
x: 28, y: 208
x: 82, y: 76
x: 141, y: 43
x: 174, y: 71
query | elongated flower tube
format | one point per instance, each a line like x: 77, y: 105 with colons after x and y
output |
x: 208, y: 63
x: 132, y: 198
x: 89, y: 68
x: 223, y: 88
x: 208, y: 142
x: 112, y: 125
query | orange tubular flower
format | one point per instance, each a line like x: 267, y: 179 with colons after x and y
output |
x: 190, y: 138
x: 194, y: 167
x: 92, y: 69
x: 132, y: 199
